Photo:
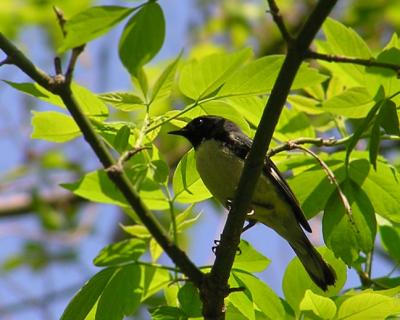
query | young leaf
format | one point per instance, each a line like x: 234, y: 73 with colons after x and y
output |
x: 322, y: 307
x: 142, y: 37
x: 355, y: 102
x: 90, y: 104
x: 390, y: 237
x: 163, y: 85
x: 92, y: 23
x: 96, y: 186
x: 189, y: 300
x: 389, y: 119
x: 167, y: 313
x: 88, y: 295
x: 344, y: 41
x: 263, y: 296
x: 250, y: 260
x: 242, y: 301
x: 258, y: 77
x: 54, y: 126
x: 121, y: 141
x: 381, y: 186
x: 293, y: 124
x: 374, y: 141
x: 124, y: 101
x: 187, y: 184
x: 120, y: 252
x: 33, y: 89
x: 200, y: 78
x: 122, y: 294
x: 296, y: 281
x: 369, y: 305
x: 361, y: 129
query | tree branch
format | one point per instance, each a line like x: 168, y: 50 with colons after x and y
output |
x: 58, y: 85
x: 216, y: 282
x: 276, y: 15
x: 341, y: 59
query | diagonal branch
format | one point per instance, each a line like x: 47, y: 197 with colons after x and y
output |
x: 342, y: 59
x: 58, y: 85
x: 216, y: 281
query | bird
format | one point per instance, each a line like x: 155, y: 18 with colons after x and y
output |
x: 221, y: 148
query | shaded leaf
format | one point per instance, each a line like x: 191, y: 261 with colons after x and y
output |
x: 121, y: 252
x: 142, y: 37
x: 189, y: 300
x: 250, y: 259
x: 91, y: 24
x: 124, y: 101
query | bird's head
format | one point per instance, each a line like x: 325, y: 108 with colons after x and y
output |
x: 206, y: 127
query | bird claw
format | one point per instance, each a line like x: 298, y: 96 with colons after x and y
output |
x: 217, y: 243
x: 249, y: 225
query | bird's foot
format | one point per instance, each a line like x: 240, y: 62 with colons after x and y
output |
x: 217, y: 243
x: 251, y: 223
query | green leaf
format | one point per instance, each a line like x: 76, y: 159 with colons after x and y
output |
x: 87, y: 296
x: 322, y: 307
x: 262, y: 295
x: 344, y: 41
x: 167, y: 313
x: 35, y: 90
x: 361, y: 129
x: 374, y: 141
x: 381, y: 186
x: 384, y: 77
x: 390, y: 237
x: 153, y: 280
x: 355, y: 102
x: 121, y: 252
x: 92, y: 23
x: 186, y: 182
x: 249, y: 107
x: 296, y: 281
x: 122, y: 294
x: 305, y: 104
x: 368, y: 305
x: 389, y: 120
x: 89, y: 103
x: 142, y: 37
x: 54, y: 126
x: 137, y: 230
x: 96, y: 186
x: 258, y: 77
x: 121, y: 141
x: 313, y: 188
x: 163, y: 86
x: 124, y: 101
x: 293, y: 124
x: 242, y: 301
x: 250, y: 259
x: 189, y: 300
x: 200, y: 78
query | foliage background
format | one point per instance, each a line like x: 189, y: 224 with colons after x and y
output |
x: 48, y: 252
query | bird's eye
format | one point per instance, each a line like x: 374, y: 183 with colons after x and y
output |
x: 199, y: 122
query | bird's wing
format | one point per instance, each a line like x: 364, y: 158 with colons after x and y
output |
x: 242, y: 147
x: 272, y: 171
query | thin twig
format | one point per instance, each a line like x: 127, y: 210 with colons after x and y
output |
x: 61, y: 19
x: 72, y: 62
x: 278, y: 19
x: 119, y: 166
x: 331, y: 177
x: 57, y: 66
x: 342, y: 59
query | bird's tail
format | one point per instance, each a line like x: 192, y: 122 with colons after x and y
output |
x: 320, y: 272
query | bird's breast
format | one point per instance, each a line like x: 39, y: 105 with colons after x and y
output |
x: 219, y: 168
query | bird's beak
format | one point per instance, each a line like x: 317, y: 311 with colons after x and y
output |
x: 180, y: 132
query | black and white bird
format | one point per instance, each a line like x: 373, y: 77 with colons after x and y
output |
x: 220, y: 150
